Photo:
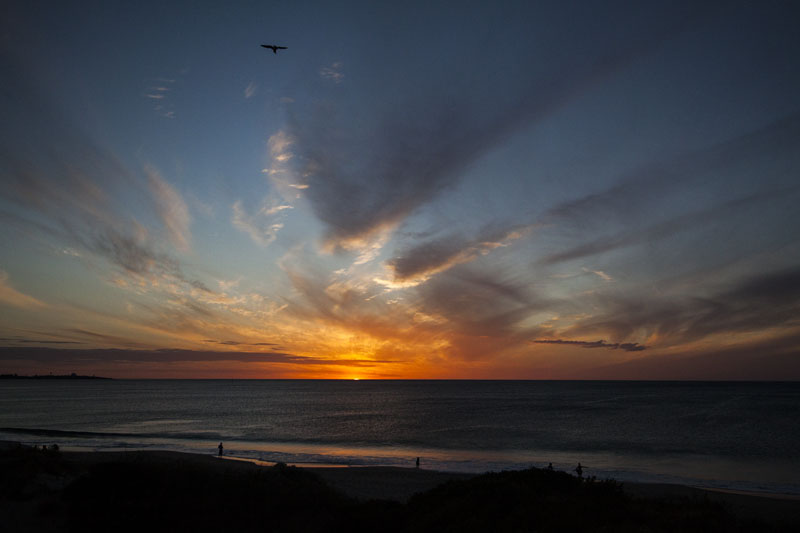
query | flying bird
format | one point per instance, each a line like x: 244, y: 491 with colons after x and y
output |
x: 274, y: 48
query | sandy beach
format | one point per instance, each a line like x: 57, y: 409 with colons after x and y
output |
x: 68, y: 491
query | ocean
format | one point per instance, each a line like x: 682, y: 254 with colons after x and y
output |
x: 728, y: 435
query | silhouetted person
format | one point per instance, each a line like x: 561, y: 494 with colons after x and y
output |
x: 417, y: 462
x: 220, y: 449
x: 579, y: 470
x: 550, y: 467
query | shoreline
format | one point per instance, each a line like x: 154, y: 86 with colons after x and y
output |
x: 361, y: 485
x: 642, y: 487
x: 399, y: 481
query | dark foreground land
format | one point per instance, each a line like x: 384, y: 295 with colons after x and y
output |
x: 168, y: 491
x: 50, y: 376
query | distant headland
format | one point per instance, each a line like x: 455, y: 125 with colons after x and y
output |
x: 50, y: 376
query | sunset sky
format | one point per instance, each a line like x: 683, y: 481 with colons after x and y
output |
x: 532, y: 190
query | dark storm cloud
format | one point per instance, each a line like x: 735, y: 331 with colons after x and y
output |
x: 756, y: 303
x: 627, y: 346
x: 66, y: 355
x: 370, y: 164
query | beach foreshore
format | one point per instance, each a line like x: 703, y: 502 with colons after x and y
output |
x: 356, y: 484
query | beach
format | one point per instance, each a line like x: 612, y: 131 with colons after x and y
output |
x: 46, y: 490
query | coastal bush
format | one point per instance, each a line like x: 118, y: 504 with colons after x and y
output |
x: 548, y: 501
x: 145, y: 496
x: 163, y: 492
x: 27, y: 471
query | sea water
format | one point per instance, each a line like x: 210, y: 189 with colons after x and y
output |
x: 731, y: 435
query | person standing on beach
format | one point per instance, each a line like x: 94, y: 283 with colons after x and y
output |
x: 579, y: 470
x: 417, y: 462
x: 220, y: 449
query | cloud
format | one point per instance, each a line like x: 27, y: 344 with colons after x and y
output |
x: 481, y: 304
x: 158, y: 93
x: 94, y: 337
x: 280, y: 173
x: 172, y: 209
x: 417, y: 264
x: 262, y: 226
x: 662, y: 230
x: 332, y: 73
x: 250, y: 90
x: 64, y: 356
x: 772, y: 359
x: 21, y: 340
x: 626, y: 346
x: 762, y: 302
x: 370, y: 164
x: 74, y: 196
x: 279, y: 146
x: 134, y: 255
x: 11, y: 296
x: 237, y: 343
x: 599, y: 273
x: 633, y: 198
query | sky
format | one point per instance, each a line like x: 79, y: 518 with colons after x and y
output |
x: 422, y: 190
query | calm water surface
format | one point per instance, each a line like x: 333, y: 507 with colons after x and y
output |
x: 729, y: 435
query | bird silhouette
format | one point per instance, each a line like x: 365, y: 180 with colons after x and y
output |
x: 274, y: 48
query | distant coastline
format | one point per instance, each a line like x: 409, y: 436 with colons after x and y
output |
x: 50, y: 376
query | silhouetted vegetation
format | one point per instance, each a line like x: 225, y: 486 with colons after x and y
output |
x: 547, y: 501
x: 50, y: 376
x: 43, y: 491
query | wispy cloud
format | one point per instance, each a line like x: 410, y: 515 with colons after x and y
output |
x: 759, y: 303
x: 22, y: 340
x: 79, y: 198
x: 370, y: 164
x: 417, y: 264
x: 109, y: 355
x: 263, y: 225
x: 599, y: 273
x: 772, y: 358
x: 639, y: 196
x: 11, y: 296
x: 250, y: 90
x: 661, y: 230
x: 172, y: 209
x: 626, y: 346
x: 239, y: 343
x: 332, y: 73
x: 158, y: 93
